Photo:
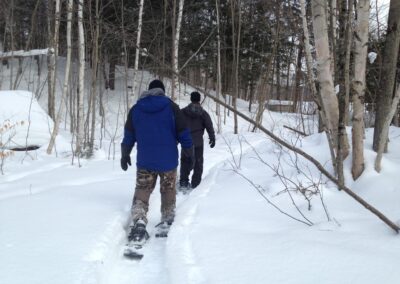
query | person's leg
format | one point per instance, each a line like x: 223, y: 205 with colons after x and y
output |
x: 184, y: 171
x: 168, y: 195
x: 145, y: 183
x: 198, y: 166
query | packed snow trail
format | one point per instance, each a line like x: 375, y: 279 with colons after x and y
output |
x: 156, y: 263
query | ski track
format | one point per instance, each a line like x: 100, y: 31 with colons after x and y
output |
x: 106, y: 264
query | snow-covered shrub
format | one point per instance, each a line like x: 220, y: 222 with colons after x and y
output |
x: 7, y: 132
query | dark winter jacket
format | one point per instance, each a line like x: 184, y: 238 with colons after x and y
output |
x: 156, y: 124
x: 197, y: 119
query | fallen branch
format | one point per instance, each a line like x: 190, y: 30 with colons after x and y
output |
x: 295, y: 130
x: 23, y: 53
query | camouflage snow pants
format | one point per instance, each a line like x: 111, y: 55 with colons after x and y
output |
x: 145, y: 184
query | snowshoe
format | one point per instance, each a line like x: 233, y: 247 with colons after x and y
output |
x: 162, y: 229
x: 136, y: 240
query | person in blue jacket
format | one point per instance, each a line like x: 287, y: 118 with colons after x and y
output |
x: 156, y: 125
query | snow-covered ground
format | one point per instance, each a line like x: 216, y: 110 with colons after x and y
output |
x: 61, y: 223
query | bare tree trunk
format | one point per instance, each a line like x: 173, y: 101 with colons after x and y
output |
x: 124, y: 40
x: 345, y: 18
x: 81, y: 80
x: 219, y: 87
x: 175, y: 56
x: 387, y: 82
x: 137, y: 54
x: 264, y: 80
x: 307, y: 50
x: 164, y: 36
x: 358, y: 86
x: 328, y: 97
x: 385, y: 129
x: 95, y: 68
x: 332, y: 31
x: 236, y: 48
x: 297, y: 78
x: 111, y: 71
x: 52, y: 57
x: 323, y: 123
x: 66, y: 79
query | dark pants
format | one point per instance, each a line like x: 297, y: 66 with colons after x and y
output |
x: 197, y: 171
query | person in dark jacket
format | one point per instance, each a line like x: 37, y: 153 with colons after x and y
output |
x: 197, y: 120
x: 156, y: 124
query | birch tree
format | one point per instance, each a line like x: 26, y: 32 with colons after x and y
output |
x: 328, y: 97
x: 311, y: 79
x: 175, y: 48
x: 66, y: 79
x: 137, y: 54
x: 358, y: 86
x: 81, y: 79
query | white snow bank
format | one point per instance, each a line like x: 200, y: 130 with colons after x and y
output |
x: 23, y: 122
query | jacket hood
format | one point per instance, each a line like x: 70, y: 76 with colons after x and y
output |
x: 153, y: 100
x: 193, y: 110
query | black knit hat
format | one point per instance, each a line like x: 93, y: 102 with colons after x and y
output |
x: 156, y: 84
x: 195, y: 97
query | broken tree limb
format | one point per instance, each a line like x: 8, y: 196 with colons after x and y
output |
x: 23, y: 53
x: 295, y: 130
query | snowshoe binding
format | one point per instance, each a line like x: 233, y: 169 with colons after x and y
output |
x: 136, y: 240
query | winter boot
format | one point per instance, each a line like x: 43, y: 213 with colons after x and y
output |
x: 163, y: 229
x: 138, y: 233
x: 184, y: 187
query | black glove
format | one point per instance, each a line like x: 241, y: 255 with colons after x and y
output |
x: 188, y: 153
x: 212, y: 142
x: 125, y: 156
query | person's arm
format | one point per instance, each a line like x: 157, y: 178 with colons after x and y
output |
x: 129, y: 139
x: 209, y: 128
x: 182, y: 131
x: 128, y: 142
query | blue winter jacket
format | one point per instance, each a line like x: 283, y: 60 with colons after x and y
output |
x: 156, y: 124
